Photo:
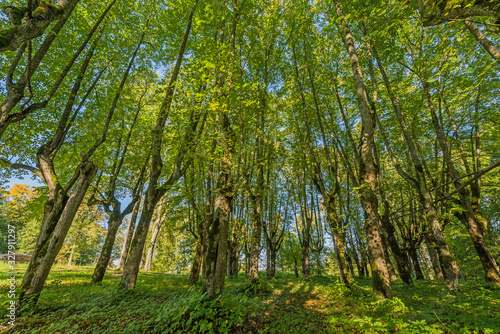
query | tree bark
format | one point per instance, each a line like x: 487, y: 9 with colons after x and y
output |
x: 58, y: 216
x: 196, y: 264
x: 60, y: 208
x: 215, y: 260
x: 427, y: 263
x: 114, y: 223
x: 416, y: 263
x: 368, y: 171
x: 70, y: 260
x: 306, y: 268
x: 199, y: 250
x: 483, y: 40
x: 274, y: 238
x: 154, y: 235
x: 390, y: 266
x: 116, y: 216
x: 271, y: 270
x: 402, y: 261
x: 129, y: 234
x: 339, y: 241
x: 433, y: 254
x: 234, y: 256
x: 36, y: 25
x: 253, y: 273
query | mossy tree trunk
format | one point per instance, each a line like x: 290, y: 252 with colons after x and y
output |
x: 368, y: 171
x: 19, y: 38
x: 59, y: 213
x: 215, y: 260
x: 61, y: 205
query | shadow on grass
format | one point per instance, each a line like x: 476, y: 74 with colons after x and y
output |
x: 70, y: 304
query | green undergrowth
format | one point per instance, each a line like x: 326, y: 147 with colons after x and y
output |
x: 194, y: 312
x: 163, y: 303
x: 259, y: 286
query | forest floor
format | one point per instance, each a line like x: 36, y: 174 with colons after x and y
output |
x: 164, y: 303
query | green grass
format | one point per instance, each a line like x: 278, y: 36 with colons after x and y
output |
x: 165, y: 303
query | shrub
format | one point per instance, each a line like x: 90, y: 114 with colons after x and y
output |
x: 255, y: 287
x: 197, y: 313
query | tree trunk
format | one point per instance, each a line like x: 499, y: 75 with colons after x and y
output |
x: 433, y: 254
x: 339, y: 241
x: 318, y: 263
x: 207, y: 222
x: 427, y: 263
x: 154, y: 235
x: 257, y: 197
x: 235, y: 258
x: 19, y: 37
x: 401, y: 258
x: 485, y: 42
x: 196, y: 265
x: 474, y: 221
x: 253, y: 273
x: 217, y: 237
x: 135, y: 256
x: 215, y: 260
x: 271, y: 270
x: 129, y: 234
x: 447, y: 261
x: 22, y: 37
x: 416, y: 264
x: 356, y: 258
x: 306, y: 268
x: 420, y: 184
x: 36, y: 25
x: 154, y: 193
x: 70, y: 260
x: 58, y: 216
x: 477, y: 235
x: 350, y: 264
x: 114, y: 223
x: 390, y: 267
x: 143, y: 257
x: 368, y: 172
x: 270, y: 255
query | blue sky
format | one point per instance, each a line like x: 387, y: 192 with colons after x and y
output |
x: 25, y: 180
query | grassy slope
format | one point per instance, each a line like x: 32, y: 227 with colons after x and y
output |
x: 70, y: 304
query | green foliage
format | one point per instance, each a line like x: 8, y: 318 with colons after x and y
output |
x: 22, y: 208
x: 89, y: 234
x: 258, y: 286
x: 424, y: 308
x: 165, y: 303
x: 15, y: 14
x: 256, y: 86
x: 193, y: 312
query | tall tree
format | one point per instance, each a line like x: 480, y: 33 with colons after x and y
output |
x: 368, y: 169
x: 155, y: 191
